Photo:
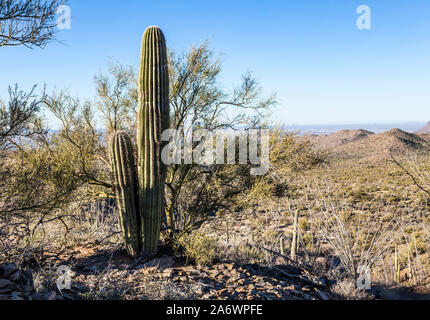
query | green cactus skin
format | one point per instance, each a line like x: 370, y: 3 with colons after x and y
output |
x: 125, y: 185
x: 153, y: 119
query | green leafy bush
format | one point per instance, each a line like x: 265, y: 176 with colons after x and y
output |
x: 197, y: 246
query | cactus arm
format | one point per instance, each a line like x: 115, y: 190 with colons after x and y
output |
x: 125, y: 186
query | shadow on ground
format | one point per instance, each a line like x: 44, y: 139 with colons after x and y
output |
x: 385, y: 292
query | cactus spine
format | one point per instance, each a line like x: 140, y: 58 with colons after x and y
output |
x: 153, y: 119
x: 125, y: 185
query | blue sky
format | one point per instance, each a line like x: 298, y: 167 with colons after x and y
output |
x: 324, y: 69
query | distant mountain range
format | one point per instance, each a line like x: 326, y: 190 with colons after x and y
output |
x: 411, y: 127
x: 425, y: 129
x: 366, y: 145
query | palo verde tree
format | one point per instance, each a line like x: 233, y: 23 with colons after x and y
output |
x: 31, y: 23
x: 198, y: 100
x: 74, y: 159
x: 19, y: 124
x: 19, y: 117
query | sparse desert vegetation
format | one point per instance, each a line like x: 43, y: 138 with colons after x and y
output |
x: 354, y: 204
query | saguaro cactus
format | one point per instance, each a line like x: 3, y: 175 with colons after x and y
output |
x: 125, y: 185
x: 153, y: 118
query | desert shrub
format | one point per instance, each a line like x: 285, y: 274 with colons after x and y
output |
x: 197, y: 246
x: 50, y: 175
x: 198, y: 101
x: 308, y: 241
x: 289, y: 156
x: 244, y: 253
x: 417, y: 172
x: 20, y: 122
x: 347, y: 290
x: 304, y: 224
x: 358, y: 238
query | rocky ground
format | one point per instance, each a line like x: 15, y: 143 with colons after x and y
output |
x: 112, y: 276
x: 15, y: 284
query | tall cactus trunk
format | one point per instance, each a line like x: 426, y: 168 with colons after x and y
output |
x: 125, y: 185
x: 153, y: 119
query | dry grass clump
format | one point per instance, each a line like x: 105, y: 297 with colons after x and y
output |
x: 347, y: 290
x: 125, y: 285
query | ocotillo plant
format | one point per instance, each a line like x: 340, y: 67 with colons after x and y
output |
x: 153, y: 119
x: 125, y: 185
x: 295, y: 242
x: 282, y: 245
x: 396, y: 266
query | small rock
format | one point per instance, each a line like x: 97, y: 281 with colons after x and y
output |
x: 161, y: 263
x: 7, y: 269
x: 167, y: 273
x: 149, y: 270
x: 37, y: 296
x: 91, y: 268
x: 239, y: 282
x: 28, y: 275
x: 16, y: 276
x: 307, y: 297
x: 213, y: 273
x: 220, y: 277
x: 322, y: 295
x: 223, y: 292
x: 16, y: 296
x: 5, y: 290
x: 4, y: 283
x: 292, y: 287
x: 281, y: 261
x: 321, y: 262
x: 234, y: 272
x: 229, y: 266
x: 205, y: 289
x: 51, y: 296
x: 241, y: 290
